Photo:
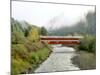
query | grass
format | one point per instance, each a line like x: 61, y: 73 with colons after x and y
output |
x: 38, y: 57
x: 87, y: 53
x: 24, y: 65
x: 85, y: 60
x: 41, y: 54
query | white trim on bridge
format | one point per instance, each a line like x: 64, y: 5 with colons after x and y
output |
x: 61, y: 40
x: 61, y: 37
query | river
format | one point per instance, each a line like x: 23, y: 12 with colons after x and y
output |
x: 59, y: 60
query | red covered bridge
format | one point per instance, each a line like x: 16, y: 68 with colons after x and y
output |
x: 61, y: 39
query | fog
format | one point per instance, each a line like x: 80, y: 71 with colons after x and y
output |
x: 49, y: 15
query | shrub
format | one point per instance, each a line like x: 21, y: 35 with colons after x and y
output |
x: 19, y: 66
x: 88, y: 44
x: 17, y: 38
x: 19, y: 50
x: 33, y: 35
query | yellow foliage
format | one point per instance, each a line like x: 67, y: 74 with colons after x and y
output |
x: 33, y: 35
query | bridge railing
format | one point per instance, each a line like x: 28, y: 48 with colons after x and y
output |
x: 61, y: 39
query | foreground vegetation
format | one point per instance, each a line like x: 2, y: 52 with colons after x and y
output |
x: 87, y: 53
x: 88, y: 43
x: 27, y: 50
x: 85, y: 60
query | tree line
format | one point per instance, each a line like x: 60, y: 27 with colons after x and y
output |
x: 82, y: 27
x: 86, y: 28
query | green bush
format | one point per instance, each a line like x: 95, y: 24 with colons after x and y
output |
x: 19, y: 50
x: 35, y: 57
x: 19, y: 66
x: 40, y: 55
x: 88, y: 44
x: 17, y: 38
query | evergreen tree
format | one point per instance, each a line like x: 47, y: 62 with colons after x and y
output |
x: 43, y: 31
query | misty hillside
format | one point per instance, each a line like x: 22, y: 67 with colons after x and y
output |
x: 27, y: 51
x: 81, y: 27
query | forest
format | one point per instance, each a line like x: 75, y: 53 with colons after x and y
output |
x: 81, y: 27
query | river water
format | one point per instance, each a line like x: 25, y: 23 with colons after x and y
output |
x: 59, y: 60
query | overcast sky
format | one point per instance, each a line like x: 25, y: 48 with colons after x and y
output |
x: 41, y: 14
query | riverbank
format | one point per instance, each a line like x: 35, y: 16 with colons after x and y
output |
x: 59, y: 60
x: 30, y: 61
x: 85, y: 60
x: 39, y: 57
